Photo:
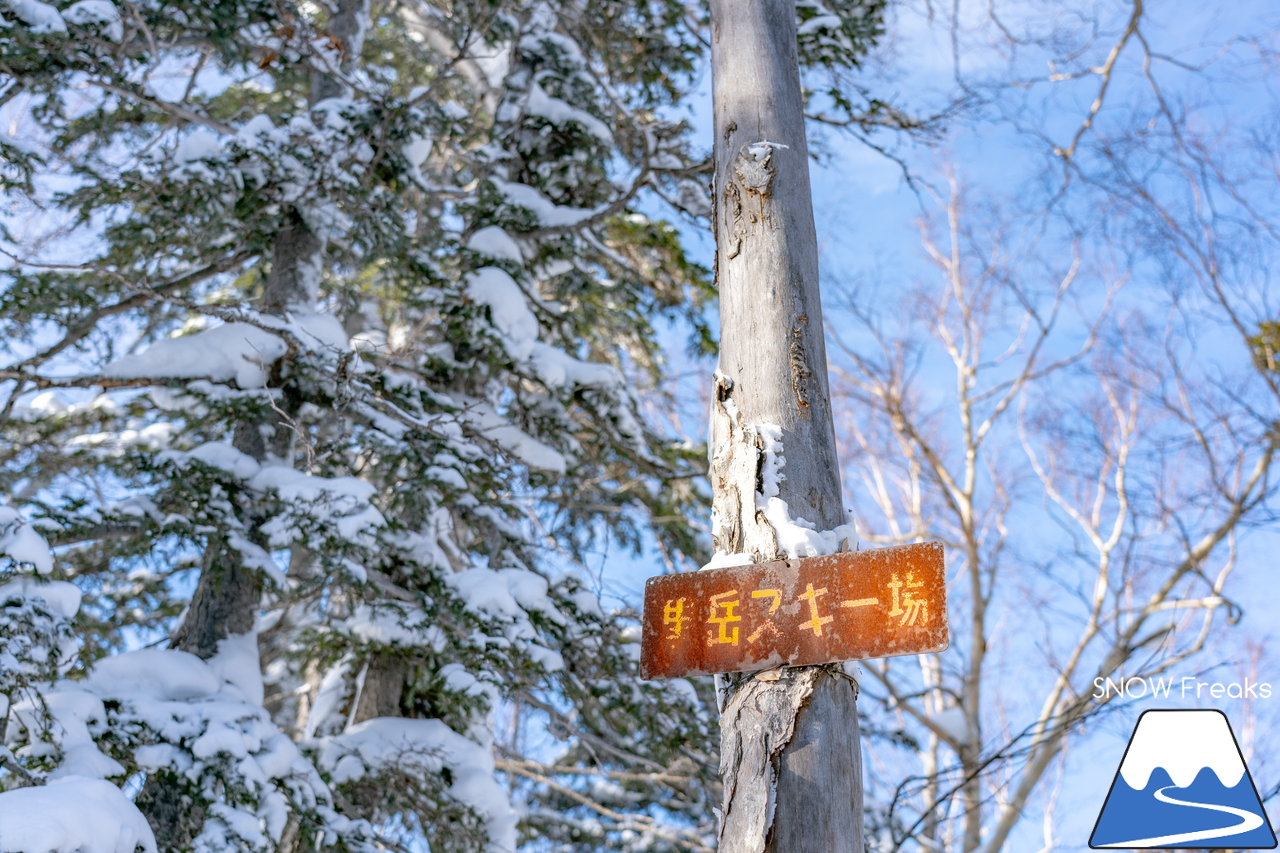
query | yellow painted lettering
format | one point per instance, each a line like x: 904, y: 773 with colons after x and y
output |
x: 673, y: 615
x: 815, y: 621
x: 722, y: 615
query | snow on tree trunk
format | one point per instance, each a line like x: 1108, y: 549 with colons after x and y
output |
x: 790, y: 753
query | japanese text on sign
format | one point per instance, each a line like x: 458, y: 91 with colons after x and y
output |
x: 889, y: 601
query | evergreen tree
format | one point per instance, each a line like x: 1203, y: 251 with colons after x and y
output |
x: 344, y: 372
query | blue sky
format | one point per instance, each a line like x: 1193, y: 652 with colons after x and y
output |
x: 1001, y: 149
x: 1214, y: 69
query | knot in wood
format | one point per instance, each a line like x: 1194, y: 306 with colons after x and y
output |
x: 755, y: 168
x: 723, y: 387
x: 737, y: 230
x: 800, y: 371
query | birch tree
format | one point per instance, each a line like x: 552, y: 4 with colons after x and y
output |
x: 1076, y: 397
x: 1148, y: 470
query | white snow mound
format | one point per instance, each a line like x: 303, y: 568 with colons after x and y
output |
x: 20, y: 541
x: 238, y: 351
x: 165, y: 674
x: 72, y: 815
x: 60, y: 598
x: 1183, y: 743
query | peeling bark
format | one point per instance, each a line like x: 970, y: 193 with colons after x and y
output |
x: 737, y: 458
x: 820, y: 773
x: 782, y: 724
x: 758, y: 721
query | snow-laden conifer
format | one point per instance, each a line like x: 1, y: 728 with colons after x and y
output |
x: 327, y: 337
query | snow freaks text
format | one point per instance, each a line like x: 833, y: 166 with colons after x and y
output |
x: 1186, y: 687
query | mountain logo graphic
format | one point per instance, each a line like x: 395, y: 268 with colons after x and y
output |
x: 1183, y: 784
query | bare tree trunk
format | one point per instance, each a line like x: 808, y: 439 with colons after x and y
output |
x: 790, y: 754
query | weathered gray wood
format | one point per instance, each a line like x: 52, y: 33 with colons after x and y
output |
x: 790, y: 759
x: 801, y: 726
x: 767, y: 250
x: 756, y: 725
x: 382, y: 687
x: 822, y: 767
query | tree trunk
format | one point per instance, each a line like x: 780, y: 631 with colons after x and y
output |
x: 228, y: 593
x: 346, y: 32
x: 225, y: 602
x: 227, y: 596
x: 382, y: 688
x: 790, y: 754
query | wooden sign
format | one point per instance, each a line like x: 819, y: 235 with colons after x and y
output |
x: 849, y: 606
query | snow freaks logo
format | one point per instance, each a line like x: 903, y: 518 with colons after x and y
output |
x: 1183, y: 782
x: 1188, y: 687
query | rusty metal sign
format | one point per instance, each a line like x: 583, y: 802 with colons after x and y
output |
x: 849, y: 606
